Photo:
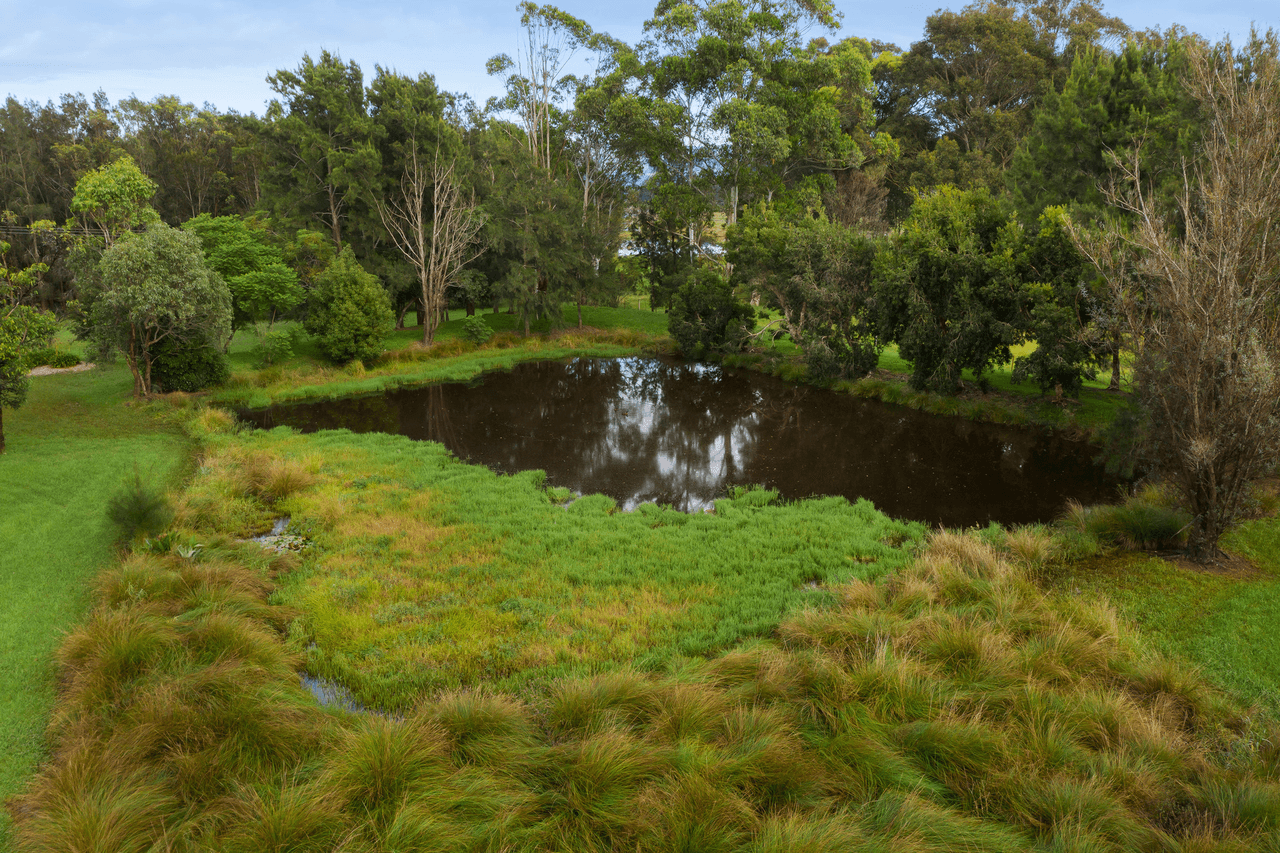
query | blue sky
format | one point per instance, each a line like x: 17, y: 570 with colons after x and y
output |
x: 220, y: 51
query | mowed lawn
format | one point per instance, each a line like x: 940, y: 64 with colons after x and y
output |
x: 69, y: 449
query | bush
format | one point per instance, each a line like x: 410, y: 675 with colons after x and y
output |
x: 705, y: 317
x: 350, y: 312
x: 476, y: 330
x: 48, y: 356
x: 274, y: 348
x: 1145, y: 521
x: 139, y: 509
x: 187, y: 366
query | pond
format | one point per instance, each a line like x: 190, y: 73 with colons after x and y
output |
x: 681, y: 433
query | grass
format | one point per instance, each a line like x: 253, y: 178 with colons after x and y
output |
x: 1005, y: 402
x: 70, y: 449
x: 807, y: 677
x: 953, y: 707
x: 428, y: 573
x: 1225, y: 623
x: 608, y: 332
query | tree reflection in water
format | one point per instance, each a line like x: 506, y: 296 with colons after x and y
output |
x: 680, y: 433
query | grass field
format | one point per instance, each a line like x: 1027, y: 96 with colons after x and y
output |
x: 69, y: 449
x: 433, y: 574
x: 1226, y: 624
x: 955, y: 707
x: 811, y: 676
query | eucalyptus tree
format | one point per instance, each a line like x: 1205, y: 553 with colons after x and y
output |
x: 422, y: 190
x: 733, y: 103
x: 560, y: 227
x: 189, y: 152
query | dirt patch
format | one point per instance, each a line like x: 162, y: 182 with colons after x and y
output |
x: 1227, y: 565
x: 46, y: 370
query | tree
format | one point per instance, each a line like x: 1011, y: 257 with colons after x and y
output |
x: 1208, y: 321
x: 262, y: 286
x: 191, y: 154
x: 320, y: 137
x: 154, y: 287
x: 948, y: 291
x: 1060, y: 310
x: 819, y: 275
x: 350, y: 312
x: 733, y: 106
x: 21, y: 326
x: 423, y: 207
x: 115, y: 198
x: 1106, y: 102
x: 706, y: 317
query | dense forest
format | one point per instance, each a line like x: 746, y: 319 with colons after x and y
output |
x: 1022, y: 173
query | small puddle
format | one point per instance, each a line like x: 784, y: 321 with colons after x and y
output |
x: 331, y: 694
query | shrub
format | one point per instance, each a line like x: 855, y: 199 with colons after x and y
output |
x: 187, y: 366
x: 1144, y: 521
x: 51, y: 357
x: 350, y: 312
x: 705, y: 317
x: 138, y: 509
x: 274, y: 347
x: 476, y: 330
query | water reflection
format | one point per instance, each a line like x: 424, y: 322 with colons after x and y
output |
x: 681, y: 433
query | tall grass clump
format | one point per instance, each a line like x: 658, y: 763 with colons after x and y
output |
x: 949, y: 704
x: 1145, y: 520
x: 139, y: 508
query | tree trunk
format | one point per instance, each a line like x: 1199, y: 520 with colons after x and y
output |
x: 1, y: 429
x: 579, y: 313
x: 1115, y: 365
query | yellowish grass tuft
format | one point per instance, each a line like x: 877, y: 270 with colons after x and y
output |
x: 1030, y: 547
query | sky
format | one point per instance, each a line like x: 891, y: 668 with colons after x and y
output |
x: 221, y: 51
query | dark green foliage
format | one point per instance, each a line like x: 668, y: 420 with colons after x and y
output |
x: 949, y: 291
x: 350, y: 313
x: 1109, y: 104
x: 51, y: 357
x: 190, y: 365
x: 1062, y: 302
x: 476, y: 330
x: 140, y: 508
x: 1146, y: 520
x: 664, y: 254
x: 818, y: 274
x: 706, y: 317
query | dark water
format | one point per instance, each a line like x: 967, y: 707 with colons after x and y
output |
x: 681, y: 433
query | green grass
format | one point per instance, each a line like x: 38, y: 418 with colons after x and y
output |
x: 429, y: 573
x: 1009, y: 402
x: 954, y: 707
x: 609, y: 332
x: 70, y: 449
x: 1226, y: 624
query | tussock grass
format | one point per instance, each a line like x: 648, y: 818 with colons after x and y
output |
x: 1146, y: 520
x: 427, y: 574
x: 953, y: 707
